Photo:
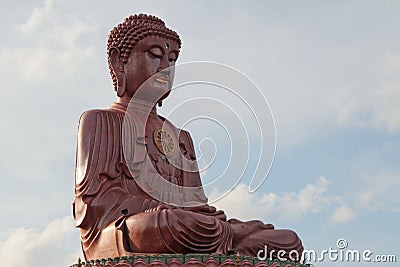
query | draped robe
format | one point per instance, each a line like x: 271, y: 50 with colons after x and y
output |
x: 117, y: 179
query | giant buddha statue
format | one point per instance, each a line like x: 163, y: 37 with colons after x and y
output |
x: 137, y: 186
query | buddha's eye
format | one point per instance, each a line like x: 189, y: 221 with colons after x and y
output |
x: 155, y: 52
x: 172, y: 57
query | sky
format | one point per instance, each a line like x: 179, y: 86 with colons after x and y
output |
x: 329, y: 72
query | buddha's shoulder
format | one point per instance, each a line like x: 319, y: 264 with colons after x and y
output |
x: 91, y: 118
x: 94, y: 113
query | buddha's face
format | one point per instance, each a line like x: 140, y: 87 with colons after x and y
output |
x: 153, y: 57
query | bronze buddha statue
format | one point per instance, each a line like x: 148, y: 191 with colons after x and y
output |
x: 137, y: 187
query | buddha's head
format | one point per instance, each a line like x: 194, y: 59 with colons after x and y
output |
x: 140, y: 48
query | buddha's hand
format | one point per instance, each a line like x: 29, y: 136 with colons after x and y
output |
x: 208, y: 210
x: 205, y: 208
x: 161, y: 206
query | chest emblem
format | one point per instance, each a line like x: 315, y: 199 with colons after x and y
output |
x: 165, y: 142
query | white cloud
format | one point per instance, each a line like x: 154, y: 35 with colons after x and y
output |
x: 342, y: 214
x: 43, y: 64
x: 365, y: 199
x: 27, y: 247
x: 376, y: 192
x: 312, y: 198
x: 55, y: 50
x: 374, y: 105
x: 379, y: 191
x: 38, y: 18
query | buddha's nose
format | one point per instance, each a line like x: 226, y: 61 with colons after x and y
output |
x: 165, y: 71
x: 164, y: 64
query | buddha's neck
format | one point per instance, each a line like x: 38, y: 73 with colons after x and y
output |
x: 138, y: 105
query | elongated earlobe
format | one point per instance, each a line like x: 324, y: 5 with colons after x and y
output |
x: 121, y: 84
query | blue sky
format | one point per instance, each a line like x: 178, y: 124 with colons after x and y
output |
x: 330, y: 72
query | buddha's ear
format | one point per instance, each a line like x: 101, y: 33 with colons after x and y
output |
x: 115, y: 60
x: 117, y: 66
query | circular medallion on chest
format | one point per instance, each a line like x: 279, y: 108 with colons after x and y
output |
x: 165, y: 142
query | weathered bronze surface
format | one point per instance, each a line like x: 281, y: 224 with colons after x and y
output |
x: 137, y: 186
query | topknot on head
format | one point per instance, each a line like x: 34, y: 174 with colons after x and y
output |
x: 141, y: 18
x: 136, y: 27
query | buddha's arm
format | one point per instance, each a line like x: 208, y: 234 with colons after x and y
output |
x: 192, y: 179
x: 101, y: 192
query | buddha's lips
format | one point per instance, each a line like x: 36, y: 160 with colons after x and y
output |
x: 162, y: 78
